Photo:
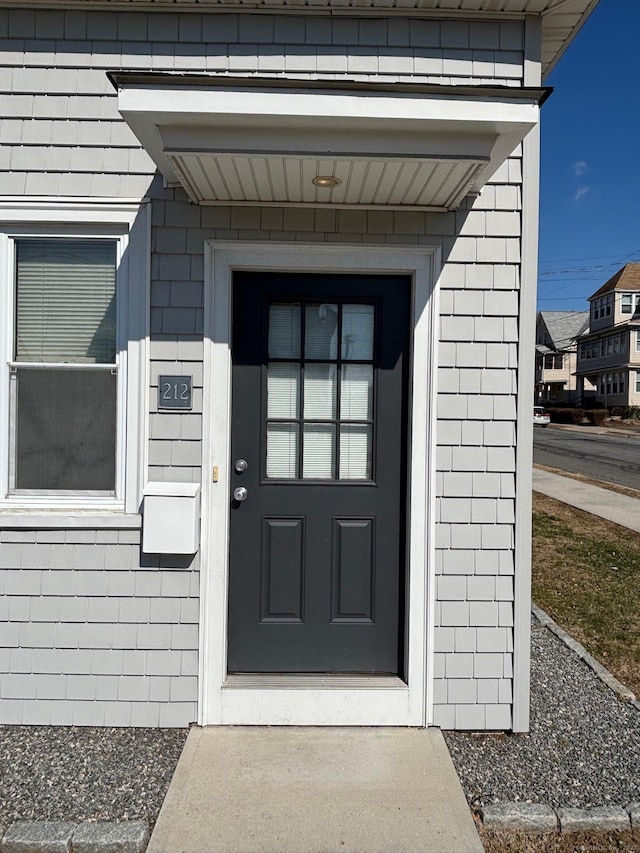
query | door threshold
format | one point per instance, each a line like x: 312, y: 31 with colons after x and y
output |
x: 273, y: 681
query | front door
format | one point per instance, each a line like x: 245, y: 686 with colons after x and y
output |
x: 319, y: 399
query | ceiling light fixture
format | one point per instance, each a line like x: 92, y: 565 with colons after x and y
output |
x: 327, y: 182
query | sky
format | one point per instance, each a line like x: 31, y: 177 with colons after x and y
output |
x: 590, y: 167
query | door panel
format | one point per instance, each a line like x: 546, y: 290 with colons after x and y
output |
x: 319, y: 391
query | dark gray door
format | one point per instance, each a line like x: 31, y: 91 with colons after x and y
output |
x: 316, y: 563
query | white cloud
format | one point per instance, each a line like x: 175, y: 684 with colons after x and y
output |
x: 579, y: 168
x: 580, y: 194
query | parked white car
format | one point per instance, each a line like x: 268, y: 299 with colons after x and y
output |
x: 541, y: 417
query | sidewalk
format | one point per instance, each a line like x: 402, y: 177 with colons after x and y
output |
x: 319, y: 790
x: 613, y: 506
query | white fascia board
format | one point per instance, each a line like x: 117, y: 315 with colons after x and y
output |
x: 189, y: 104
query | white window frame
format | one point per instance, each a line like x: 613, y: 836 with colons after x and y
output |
x: 637, y: 340
x: 637, y: 381
x: 126, y: 223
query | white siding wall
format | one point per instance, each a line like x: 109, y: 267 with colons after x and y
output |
x: 61, y: 135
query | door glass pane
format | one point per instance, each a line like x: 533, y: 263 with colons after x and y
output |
x: 321, y: 331
x: 283, y: 390
x: 357, y: 332
x: 65, y: 429
x: 284, y: 330
x: 355, y: 452
x: 320, y: 391
x: 282, y: 451
x: 319, y: 451
x: 356, y: 392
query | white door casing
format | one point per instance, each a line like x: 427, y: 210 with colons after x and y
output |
x: 317, y: 700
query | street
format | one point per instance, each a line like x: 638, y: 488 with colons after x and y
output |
x: 611, y: 458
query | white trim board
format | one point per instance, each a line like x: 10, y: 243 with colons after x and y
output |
x: 329, y: 701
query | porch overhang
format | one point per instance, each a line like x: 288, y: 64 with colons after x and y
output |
x: 251, y: 141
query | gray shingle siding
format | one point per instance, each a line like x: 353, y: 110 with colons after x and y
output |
x: 61, y: 131
x: 89, y: 632
x: 88, y: 636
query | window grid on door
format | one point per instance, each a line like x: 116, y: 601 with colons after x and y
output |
x: 320, y: 390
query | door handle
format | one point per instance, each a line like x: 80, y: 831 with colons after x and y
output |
x: 240, y: 493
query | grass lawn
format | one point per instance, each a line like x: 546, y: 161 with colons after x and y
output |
x: 586, y: 575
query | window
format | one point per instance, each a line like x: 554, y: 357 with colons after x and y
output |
x: 320, y: 389
x: 554, y: 361
x: 626, y: 303
x: 637, y: 381
x: 638, y: 340
x: 73, y: 338
x: 64, y: 371
x: 601, y: 307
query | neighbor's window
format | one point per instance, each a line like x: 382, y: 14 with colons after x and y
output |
x: 627, y: 303
x: 63, y: 385
x: 554, y: 362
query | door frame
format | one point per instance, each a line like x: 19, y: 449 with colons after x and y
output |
x: 318, y: 700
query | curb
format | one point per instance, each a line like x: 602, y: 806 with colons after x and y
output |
x: 536, y: 818
x: 539, y: 818
x: 55, y: 836
x: 603, y: 674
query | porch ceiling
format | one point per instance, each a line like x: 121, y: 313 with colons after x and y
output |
x: 239, y: 141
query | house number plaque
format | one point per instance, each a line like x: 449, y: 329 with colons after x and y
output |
x: 174, y: 392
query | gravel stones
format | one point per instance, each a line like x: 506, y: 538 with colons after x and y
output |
x: 66, y: 773
x: 583, y: 748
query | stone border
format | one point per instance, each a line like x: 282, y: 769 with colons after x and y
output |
x: 603, y: 674
x: 537, y: 818
x: 55, y: 836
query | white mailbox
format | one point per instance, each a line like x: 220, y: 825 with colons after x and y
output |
x: 171, y: 518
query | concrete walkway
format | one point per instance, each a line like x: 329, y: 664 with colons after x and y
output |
x: 315, y: 790
x: 603, y: 502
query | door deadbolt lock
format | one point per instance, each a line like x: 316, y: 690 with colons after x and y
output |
x: 241, y: 465
x: 240, y: 493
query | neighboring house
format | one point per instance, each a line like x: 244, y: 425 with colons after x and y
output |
x: 609, y: 356
x: 268, y: 287
x: 556, y: 356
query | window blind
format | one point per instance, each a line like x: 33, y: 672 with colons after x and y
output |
x: 66, y: 301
